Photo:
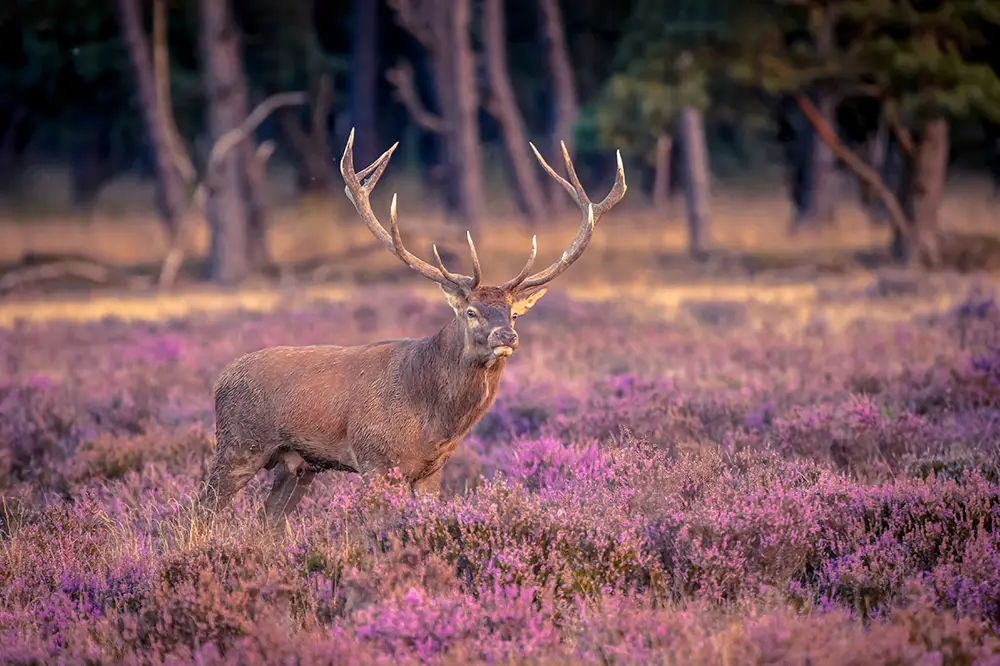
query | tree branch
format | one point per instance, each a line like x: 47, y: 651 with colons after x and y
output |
x: 164, y: 106
x: 234, y: 137
x: 401, y: 77
x: 82, y: 269
x: 418, y: 20
x: 220, y: 151
x: 292, y: 127
x: 321, y: 107
x: 904, y: 138
x: 857, y: 164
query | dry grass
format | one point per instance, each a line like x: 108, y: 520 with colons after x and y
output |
x: 628, y: 260
x: 799, y: 301
x: 122, y: 230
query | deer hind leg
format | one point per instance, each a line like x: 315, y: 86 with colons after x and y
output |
x: 291, y: 481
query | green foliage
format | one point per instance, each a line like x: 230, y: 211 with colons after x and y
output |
x: 639, y: 105
x: 661, y: 67
x: 917, y: 62
x: 671, y: 55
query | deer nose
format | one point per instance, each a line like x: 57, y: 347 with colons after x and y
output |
x: 506, y: 337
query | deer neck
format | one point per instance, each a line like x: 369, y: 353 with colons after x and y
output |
x: 456, y: 388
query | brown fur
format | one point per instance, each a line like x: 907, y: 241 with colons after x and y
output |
x: 364, y: 409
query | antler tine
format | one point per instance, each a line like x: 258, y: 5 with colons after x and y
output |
x: 573, y: 192
x: 473, y: 281
x: 617, y: 190
x: 515, y: 282
x: 414, y: 262
x: 591, y: 215
x: 477, y: 272
x: 444, y: 271
x: 359, y: 194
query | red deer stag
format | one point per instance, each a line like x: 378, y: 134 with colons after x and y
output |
x: 393, y: 403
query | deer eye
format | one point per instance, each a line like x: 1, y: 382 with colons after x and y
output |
x: 472, y: 313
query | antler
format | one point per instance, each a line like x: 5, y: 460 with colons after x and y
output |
x: 359, y: 194
x: 591, y: 216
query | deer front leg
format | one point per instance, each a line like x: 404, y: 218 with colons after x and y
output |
x: 291, y: 481
x: 428, y: 485
x: 232, y: 468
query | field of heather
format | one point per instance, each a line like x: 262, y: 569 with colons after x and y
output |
x: 744, y: 475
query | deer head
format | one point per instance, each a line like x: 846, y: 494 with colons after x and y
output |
x: 484, y: 315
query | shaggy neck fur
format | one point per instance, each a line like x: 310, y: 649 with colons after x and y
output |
x: 453, y: 388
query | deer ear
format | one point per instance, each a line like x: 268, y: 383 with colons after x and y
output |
x: 526, y: 303
x: 456, y: 297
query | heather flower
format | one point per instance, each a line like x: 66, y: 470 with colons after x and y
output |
x: 641, y: 493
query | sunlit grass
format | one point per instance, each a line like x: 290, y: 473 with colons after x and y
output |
x: 123, y: 230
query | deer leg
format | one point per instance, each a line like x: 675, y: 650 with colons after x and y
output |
x: 230, y: 472
x: 291, y: 481
x: 428, y: 485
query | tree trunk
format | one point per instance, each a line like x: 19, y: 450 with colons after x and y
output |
x: 171, y: 195
x: 13, y: 139
x: 257, y: 253
x: 899, y: 179
x: 567, y: 108
x: 467, y: 160
x: 697, y: 178
x: 904, y: 236
x: 930, y: 168
x: 824, y: 171
x: 225, y: 208
x: 442, y: 27
x: 503, y: 106
x: 879, y: 147
x: 252, y: 174
x: 799, y: 147
x: 315, y: 164
x: 661, y: 177
x: 364, y: 80
x: 254, y: 181
x: 824, y: 175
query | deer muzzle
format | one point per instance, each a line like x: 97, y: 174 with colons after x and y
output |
x: 503, y: 342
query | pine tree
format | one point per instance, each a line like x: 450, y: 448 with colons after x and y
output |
x: 908, y: 56
x: 661, y: 87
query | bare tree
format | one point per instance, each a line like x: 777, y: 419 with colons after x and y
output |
x: 172, y: 156
x: 221, y: 149
x: 226, y: 207
x: 364, y: 76
x: 170, y: 174
x: 823, y: 198
x: 442, y: 28
x: 563, y: 84
x: 312, y: 144
x: 696, y: 177
x: 502, y: 105
x: 661, y: 175
x: 915, y: 232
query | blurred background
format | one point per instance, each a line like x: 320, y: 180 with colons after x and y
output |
x: 168, y: 144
